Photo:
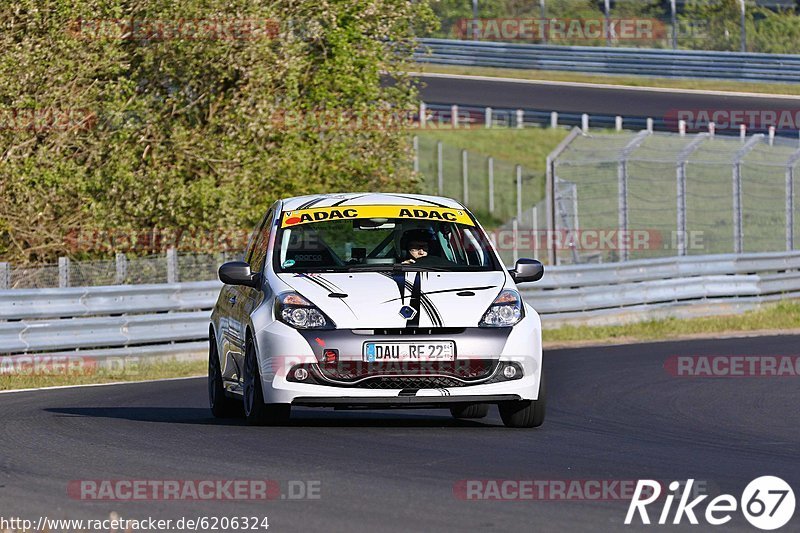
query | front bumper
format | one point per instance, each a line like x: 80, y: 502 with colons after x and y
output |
x: 283, y: 349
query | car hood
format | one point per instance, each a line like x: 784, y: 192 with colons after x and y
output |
x: 375, y: 299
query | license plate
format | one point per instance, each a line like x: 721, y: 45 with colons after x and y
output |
x: 409, y: 351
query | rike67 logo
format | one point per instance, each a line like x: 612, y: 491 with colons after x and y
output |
x: 767, y: 503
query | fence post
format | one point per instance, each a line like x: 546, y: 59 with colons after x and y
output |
x: 122, y: 268
x: 520, y: 118
x: 554, y: 119
x: 535, y: 231
x: 622, y: 192
x: 790, y: 200
x: 515, y: 232
x: 744, y: 26
x: 487, y: 117
x: 674, y: 12
x: 423, y: 115
x: 5, y: 276
x: 63, y: 272
x: 607, y: 12
x: 439, y: 169
x: 465, y: 177
x: 683, y: 157
x: 550, y: 195
x: 519, y: 192
x: 490, y: 162
x: 738, y: 237
x: 172, y: 265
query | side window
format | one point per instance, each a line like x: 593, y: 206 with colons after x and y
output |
x: 251, y: 243
x: 261, y: 243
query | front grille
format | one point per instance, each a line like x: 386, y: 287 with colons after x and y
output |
x: 351, y: 371
x: 399, y: 382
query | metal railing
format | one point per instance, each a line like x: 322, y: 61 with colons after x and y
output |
x: 603, y: 60
x: 173, y: 318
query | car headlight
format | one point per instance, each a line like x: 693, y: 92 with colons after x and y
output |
x: 505, y: 311
x: 296, y: 311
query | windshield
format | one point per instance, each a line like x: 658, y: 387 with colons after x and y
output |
x: 381, y: 243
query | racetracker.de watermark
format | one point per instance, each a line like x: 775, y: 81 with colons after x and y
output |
x: 732, y: 119
x: 193, y: 489
x: 733, y: 366
x: 178, y: 29
x: 561, y: 29
x: 66, y: 365
x: 46, y: 119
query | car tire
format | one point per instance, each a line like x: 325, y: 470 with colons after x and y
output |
x: 221, y: 405
x: 256, y: 411
x: 525, y: 413
x: 472, y: 410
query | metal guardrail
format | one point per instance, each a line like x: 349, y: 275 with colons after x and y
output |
x: 636, y: 61
x: 145, y: 320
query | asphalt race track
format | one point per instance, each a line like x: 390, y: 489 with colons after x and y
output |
x: 605, y: 101
x: 614, y: 414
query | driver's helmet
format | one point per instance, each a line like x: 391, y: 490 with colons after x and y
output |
x: 426, y: 235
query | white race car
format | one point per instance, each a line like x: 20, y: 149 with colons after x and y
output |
x: 374, y: 301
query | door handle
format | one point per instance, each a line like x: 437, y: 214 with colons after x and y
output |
x: 232, y: 299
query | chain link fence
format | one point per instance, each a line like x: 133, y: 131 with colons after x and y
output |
x: 170, y: 267
x: 647, y: 195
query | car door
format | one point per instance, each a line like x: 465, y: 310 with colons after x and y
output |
x: 231, y: 325
x: 245, y: 299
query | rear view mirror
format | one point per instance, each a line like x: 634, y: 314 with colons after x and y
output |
x: 238, y: 273
x: 527, y: 270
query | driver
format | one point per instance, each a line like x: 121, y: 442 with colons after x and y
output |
x: 418, y: 244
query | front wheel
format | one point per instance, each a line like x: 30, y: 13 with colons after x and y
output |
x: 256, y: 411
x: 221, y: 405
x: 525, y: 413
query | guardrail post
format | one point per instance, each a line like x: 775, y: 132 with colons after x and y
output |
x: 771, y: 135
x: 743, y: 132
x: 172, y: 265
x: 618, y: 123
x: 415, y: 147
x: 712, y: 129
x: 122, y: 268
x: 454, y: 115
x: 487, y: 117
x: 682, y: 128
x: 649, y: 124
x: 520, y: 118
x: 585, y: 123
x: 519, y: 192
x: 490, y: 163
x: 423, y: 115
x: 5, y: 276
x: 63, y: 272
x: 465, y: 176
x: 439, y: 168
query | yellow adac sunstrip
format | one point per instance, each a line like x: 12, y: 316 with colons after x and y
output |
x: 416, y: 212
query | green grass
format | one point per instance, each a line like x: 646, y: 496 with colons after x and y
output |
x: 773, y: 317
x: 141, y: 371
x: 527, y: 147
x: 632, y: 81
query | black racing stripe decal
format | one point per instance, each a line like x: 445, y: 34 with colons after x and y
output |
x: 328, y: 286
x: 422, y: 200
x: 415, y: 300
x: 340, y: 202
x: 427, y: 304
x: 309, y: 203
x: 452, y: 290
x: 400, y: 279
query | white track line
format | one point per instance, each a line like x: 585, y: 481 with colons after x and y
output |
x: 100, y: 384
x: 605, y: 86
